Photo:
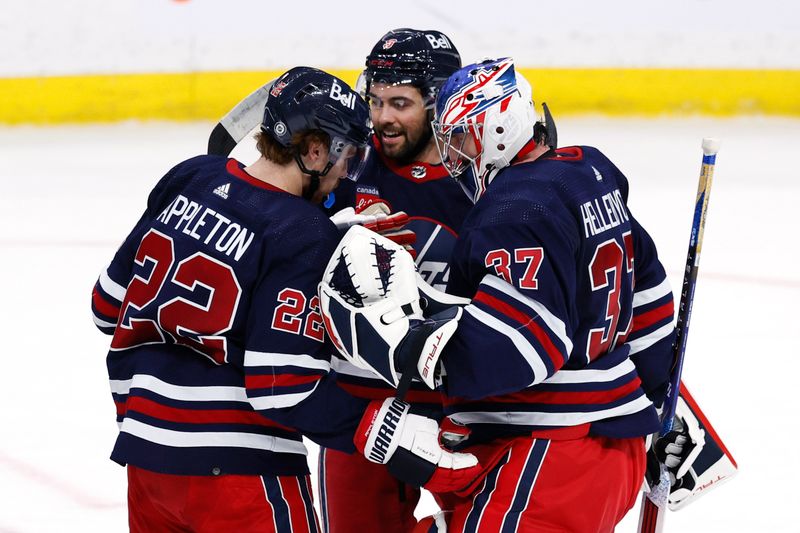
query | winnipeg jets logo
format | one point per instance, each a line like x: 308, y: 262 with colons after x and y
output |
x: 418, y: 171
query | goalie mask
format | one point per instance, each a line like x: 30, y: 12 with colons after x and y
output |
x: 306, y: 98
x: 484, y: 117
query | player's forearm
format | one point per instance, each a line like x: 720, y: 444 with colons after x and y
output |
x: 478, y: 363
x: 328, y: 416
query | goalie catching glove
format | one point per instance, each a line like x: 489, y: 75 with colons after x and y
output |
x: 378, y: 217
x: 373, y: 311
x: 408, y: 445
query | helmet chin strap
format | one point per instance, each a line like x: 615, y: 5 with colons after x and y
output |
x: 308, y: 193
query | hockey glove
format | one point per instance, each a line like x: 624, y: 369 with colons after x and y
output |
x: 372, y: 309
x: 408, y: 445
x: 694, y: 461
x: 378, y: 218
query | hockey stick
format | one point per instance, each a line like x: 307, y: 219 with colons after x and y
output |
x: 654, y: 504
x: 238, y: 122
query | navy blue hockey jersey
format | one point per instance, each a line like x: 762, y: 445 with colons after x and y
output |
x: 217, y: 358
x: 436, y: 206
x: 570, y: 324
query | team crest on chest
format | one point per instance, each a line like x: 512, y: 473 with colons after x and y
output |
x: 418, y: 171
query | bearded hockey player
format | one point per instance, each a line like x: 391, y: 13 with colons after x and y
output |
x: 552, y: 371
x: 403, y: 73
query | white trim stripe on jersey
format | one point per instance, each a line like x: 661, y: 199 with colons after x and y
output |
x: 564, y: 376
x: 179, y: 392
x: 199, y: 439
x: 642, y: 343
x: 280, y: 400
x: 428, y: 244
x: 346, y: 368
x: 652, y: 294
x: 340, y: 366
x: 254, y: 359
x: 522, y: 345
x: 555, y: 324
x: 111, y: 287
x: 533, y: 418
x: 102, y: 323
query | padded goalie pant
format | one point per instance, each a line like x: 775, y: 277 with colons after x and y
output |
x: 583, y: 485
x: 357, y: 496
x: 210, y: 504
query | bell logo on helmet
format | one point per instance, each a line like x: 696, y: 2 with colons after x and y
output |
x: 347, y: 99
x: 439, y: 41
x: 389, y: 43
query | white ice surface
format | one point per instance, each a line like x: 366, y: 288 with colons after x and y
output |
x: 68, y: 195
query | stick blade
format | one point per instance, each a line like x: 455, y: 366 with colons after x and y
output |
x: 220, y: 141
x: 239, y: 121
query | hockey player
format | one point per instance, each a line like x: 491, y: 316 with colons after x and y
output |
x: 403, y: 73
x: 551, y: 371
x: 217, y: 362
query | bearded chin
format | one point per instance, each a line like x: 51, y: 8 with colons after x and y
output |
x: 410, y: 154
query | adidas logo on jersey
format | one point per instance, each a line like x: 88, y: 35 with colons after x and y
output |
x: 223, y: 190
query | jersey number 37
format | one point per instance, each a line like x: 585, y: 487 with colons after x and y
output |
x: 612, y: 260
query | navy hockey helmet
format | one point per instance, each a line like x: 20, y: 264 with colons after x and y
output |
x: 422, y: 58
x: 306, y: 98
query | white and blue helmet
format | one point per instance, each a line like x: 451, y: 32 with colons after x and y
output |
x: 489, y: 103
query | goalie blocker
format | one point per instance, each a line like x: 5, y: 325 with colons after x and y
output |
x: 696, y: 458
x: 380, y: 314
